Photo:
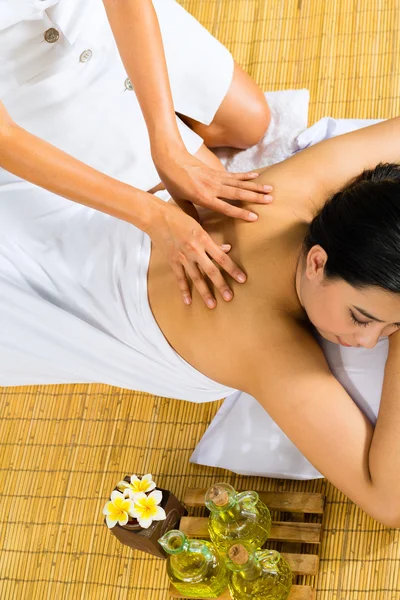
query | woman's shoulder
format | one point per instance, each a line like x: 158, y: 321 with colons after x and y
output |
x: 304, y: 182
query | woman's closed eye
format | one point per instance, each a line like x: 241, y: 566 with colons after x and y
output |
x: 365, y: 323
x: 357, y: 322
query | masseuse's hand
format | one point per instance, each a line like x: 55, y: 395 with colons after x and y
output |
x: 187, y: 178
x: 189, y: 249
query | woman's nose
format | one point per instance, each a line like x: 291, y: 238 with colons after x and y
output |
x: 369, y: 339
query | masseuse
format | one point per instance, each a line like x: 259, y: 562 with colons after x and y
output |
x: 91, y: 91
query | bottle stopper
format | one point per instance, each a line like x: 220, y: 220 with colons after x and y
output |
x: 218, y: 496
x: 238, y: 554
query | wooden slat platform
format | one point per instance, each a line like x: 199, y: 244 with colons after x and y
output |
x: 294, y: 502
x: 291, y: 530
x: 282, y: 531
x: 298, y: 592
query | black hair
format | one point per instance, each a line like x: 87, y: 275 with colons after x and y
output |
x: 359, y: 229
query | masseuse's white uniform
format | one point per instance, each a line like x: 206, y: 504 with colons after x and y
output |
x: 73, y: 290
x: 73, y: 296
x: 62, y: 79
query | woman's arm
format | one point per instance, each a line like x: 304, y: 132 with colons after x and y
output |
x: 384, y: 455
x: 306, y: 180
x: 295, y: 386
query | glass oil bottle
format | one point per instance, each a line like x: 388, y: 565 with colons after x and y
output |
x: 236, y: 517
x: 258, y: 574
x: 195, y: 567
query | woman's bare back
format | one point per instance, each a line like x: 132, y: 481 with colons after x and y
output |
x: 219, y: 342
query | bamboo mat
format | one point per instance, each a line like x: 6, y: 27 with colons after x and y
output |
x: 63, y: 448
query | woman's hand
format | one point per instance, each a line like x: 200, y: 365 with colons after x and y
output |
x: 190, y: 251
x: 188, y: 178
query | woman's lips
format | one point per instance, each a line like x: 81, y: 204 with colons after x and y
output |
x: 342, y: 343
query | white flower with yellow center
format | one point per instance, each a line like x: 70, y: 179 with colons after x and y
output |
x: 136, y: 485
x: 146, y: 509
x: 117, y: 510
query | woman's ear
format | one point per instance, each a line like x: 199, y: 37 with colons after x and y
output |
x: 315, y: 265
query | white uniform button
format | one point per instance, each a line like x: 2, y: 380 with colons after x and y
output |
x: 128, y: 84
x: 86, y: 56
x: 51, y: 35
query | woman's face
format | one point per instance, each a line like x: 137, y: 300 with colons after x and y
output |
x: 341, y: 313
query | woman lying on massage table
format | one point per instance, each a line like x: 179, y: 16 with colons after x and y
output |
x: 321, y: 257
x: 75, y: 304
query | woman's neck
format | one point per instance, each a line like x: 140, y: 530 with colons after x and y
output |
x: 299, y: 274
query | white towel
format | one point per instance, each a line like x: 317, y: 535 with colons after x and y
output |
x: 242, y: 436
x: 328, y: 128
x: 289, y: 114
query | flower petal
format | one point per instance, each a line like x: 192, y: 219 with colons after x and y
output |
x: 132, y: 496
x: 115, y: 512
x: 140, y: 499
x: 107, y: 508
x: 122, y: 485
x: 156, y: 496
x: 130, y: 511
x: 145, y: 523
x: 126, y: 505
x: 116, y: 494
x: 147, y: 483
x: 137, y: 512
x: 119, y: 503
x: 159, y: 514
x: 124, y: 519
x: 110, y: 522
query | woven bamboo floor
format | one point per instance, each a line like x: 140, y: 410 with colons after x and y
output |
x: 63, y: 448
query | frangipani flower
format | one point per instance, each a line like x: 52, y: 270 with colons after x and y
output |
x: 117, y: 510
x: 146, y: 509
x: 146, y: 484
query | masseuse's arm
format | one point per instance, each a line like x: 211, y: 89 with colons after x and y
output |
x: 179, y: 236
x: 137, y: 33
x: 299, y: 392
